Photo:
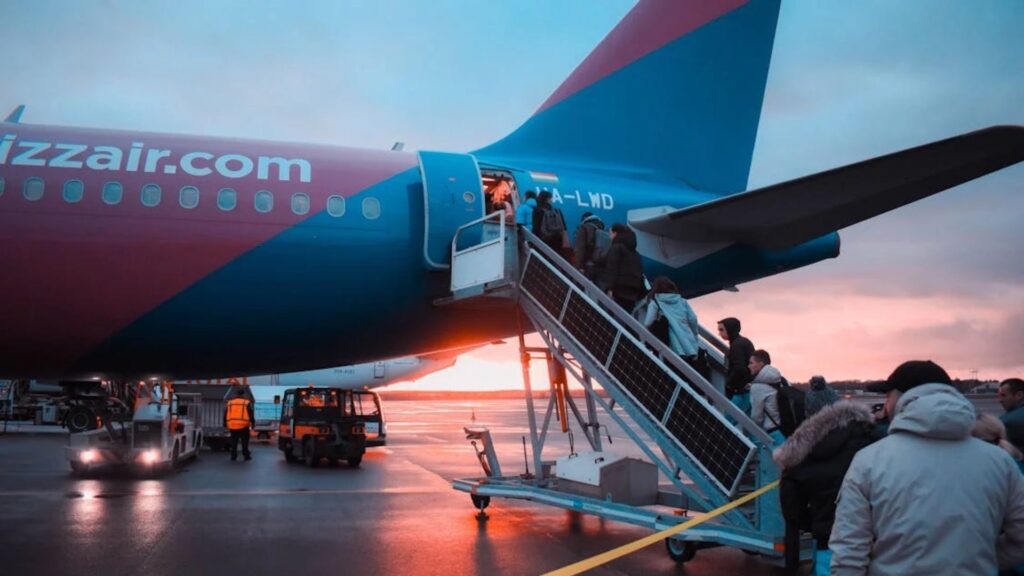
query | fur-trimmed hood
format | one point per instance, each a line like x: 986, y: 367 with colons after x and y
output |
x: 816, y: 428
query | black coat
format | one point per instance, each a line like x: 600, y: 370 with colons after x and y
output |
x: 814, y: 461
x: 738, y: 365
x: 624, y: 270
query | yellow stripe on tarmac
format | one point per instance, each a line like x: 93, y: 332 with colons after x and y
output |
x: 605, y: 557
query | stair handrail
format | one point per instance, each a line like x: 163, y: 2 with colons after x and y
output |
x: 498, y: 214
x: 666, y: 355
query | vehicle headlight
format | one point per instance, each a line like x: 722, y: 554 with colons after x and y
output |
x: 88, y: 456
x: 150, y: 456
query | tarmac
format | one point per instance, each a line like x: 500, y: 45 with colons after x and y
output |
x: 395, y: 514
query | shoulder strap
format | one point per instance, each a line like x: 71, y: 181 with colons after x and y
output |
x: 654, y: 298
x: 769, y: 414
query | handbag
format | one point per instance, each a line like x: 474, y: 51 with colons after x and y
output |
x: 660, y: 327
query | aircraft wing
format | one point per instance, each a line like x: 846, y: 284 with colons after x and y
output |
x: 796, y: 211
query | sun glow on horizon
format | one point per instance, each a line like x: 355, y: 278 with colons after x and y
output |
x: 474, y: 374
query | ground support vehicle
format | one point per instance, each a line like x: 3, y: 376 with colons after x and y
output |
x: 319, y: 423
x: 161, y: 434
x: 368, y: 405
x: 78, y: 406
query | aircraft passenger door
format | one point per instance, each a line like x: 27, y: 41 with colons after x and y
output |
x: 379, y: 370
x: 452, y: 196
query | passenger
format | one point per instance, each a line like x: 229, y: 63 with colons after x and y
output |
x: 499, y: 198
x: 928, y: 499
x: 623, y: 277
x: 813, y: 462
x: 664, y: 301
x: 591, y: 245
x: 991, y: 430
x: 549, y: 224
x: 764, y: 395
x: 1011, y: 396
x: 737, y: 363
x: 819, y: 396
x: 238, y: 417
x: 524, y: 214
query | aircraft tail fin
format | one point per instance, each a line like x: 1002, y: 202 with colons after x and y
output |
x: 675, y: 88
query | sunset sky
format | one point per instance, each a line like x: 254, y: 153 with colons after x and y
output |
x: 940, y: 279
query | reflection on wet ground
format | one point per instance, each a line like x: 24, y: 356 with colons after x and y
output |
x: 395, y: 514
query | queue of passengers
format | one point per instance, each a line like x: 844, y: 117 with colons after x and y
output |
x: 925, y: 485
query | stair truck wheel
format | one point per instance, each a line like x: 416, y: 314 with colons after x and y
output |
x: 174, y: 456
x: 355, y: 461
x: 289, y: 454
x: 679, y: 550
x: 480, y: 502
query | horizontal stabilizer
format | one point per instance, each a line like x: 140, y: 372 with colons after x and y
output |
x: 796, y: 211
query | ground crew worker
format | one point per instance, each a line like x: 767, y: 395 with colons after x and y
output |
x: 238, y: 417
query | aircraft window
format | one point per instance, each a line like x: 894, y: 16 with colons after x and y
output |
x: 336, y: 206
x: 300, y: 203
x: 33, y: 189
x: 371, y: 208
x: 73, y: 191
x: 264, y: 201
x: 2, y: 185
x: 188, y: 197
x: 112, y: 193
x: 227, y: 199
x: 150, y: 195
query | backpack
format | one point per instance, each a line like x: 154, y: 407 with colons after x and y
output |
x: 602, y: 244
x: 791, y: 404
x: 551, y: 223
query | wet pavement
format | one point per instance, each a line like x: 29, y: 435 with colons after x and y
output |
x: 395, y: 514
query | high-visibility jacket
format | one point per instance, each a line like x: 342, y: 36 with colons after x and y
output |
x: 238, y: 414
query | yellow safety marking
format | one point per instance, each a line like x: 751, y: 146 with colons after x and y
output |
x: 605, y: 557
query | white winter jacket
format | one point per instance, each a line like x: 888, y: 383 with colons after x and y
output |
x: 764, y: 398
x: 929, y: 499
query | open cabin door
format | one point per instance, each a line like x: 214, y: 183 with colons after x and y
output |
x: 452, y: 196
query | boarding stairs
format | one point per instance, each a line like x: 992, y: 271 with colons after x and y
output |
x: 712, y: 452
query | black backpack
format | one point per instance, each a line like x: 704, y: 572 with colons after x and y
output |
x: 791, y: 403
x: 551, y: 222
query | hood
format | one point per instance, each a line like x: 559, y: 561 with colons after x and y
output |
x: 768, y: 375
x: 595, y: 220
x: 824, y: 433
x: 732, y: 327
x: 669, y: 298
x: 817, y: 383
x: 627, y: 238
x: 532, y: 202
x: 934, y: 411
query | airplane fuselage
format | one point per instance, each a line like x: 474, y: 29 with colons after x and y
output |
x: 151, y: 255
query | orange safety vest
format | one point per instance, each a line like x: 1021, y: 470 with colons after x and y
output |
x: 238, y: 414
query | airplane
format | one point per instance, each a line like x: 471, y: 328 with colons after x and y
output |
x: 366, y: 376
x: 143, y: 255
